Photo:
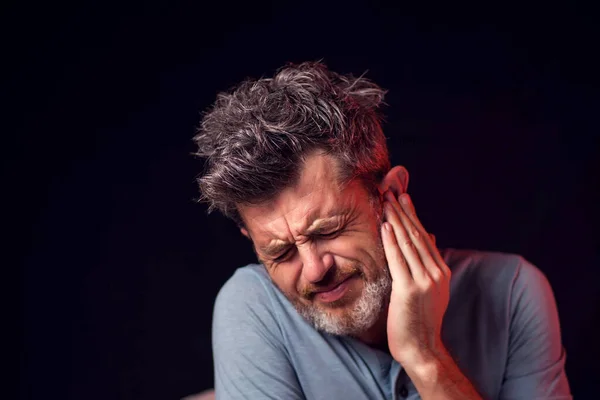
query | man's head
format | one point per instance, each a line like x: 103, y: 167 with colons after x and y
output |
x: 299, y: 161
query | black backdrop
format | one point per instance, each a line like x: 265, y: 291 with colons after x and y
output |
x: 492, y: 111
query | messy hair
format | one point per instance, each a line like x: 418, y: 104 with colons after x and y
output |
x: 256, y: 137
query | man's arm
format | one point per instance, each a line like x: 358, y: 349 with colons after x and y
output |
x: 536, y: 361
x: 535, y: 367
x: 250, y: 361
x: 419, y: 299
x: 420, y: 294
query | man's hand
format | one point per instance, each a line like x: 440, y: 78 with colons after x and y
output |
x: 419, y: 299
x: 421, y: 285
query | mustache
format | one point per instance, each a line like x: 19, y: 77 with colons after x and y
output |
x: 332, y: 278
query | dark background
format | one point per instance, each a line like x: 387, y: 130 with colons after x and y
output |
x: 493, y: 111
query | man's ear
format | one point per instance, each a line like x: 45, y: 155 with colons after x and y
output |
x: 395, y: 180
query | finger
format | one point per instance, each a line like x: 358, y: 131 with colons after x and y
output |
x: 420, y: 240
x: 432, y: 236
x: 405, y: 243
x: 397, y: 265
x: 408, y: 207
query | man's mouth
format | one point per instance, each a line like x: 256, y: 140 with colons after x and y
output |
x: 333, y: 293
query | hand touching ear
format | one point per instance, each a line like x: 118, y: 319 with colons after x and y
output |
x: 419, y: 299
x: 421, y: 283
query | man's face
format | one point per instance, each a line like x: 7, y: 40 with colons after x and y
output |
x: 322, y: 248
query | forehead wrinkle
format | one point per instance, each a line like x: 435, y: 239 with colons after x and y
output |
x: 352, y: 201
x: 304, y: 219
x: 315, y: 217
x: 312, y: 192
x: 311, y: 183
x: 276, y: 245
x: 329, y: 220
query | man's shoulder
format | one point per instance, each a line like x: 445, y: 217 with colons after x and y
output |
x: 460, y: 258
x: 249, y: 276
x: 248, y: 284
x: 250, y: 294
x: 250, y: 308
x: 489, y: 270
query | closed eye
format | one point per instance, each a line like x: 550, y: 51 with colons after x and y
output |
x: 328, y: 235
x: 284, y: 256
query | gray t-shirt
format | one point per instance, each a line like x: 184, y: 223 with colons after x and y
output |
x: 501, y: 327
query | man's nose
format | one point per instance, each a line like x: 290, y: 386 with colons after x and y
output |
x: 314, y: 264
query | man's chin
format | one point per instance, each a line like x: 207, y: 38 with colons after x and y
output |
x: 333, y: 321
x: 339, y: 317
x: 352, y: 314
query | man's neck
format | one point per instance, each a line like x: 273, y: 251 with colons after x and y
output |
x: 376, y: 336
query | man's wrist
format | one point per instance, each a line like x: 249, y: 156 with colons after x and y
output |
x: 423, y: 359
x: 427, y: 367
x: 437, y: 376
x: 424, y: 367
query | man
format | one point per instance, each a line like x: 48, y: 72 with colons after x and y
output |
x: 352, y: 299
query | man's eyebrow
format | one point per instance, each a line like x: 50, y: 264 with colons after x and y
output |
x: 322, y: 225
x: 316, y: 227
x: 275, y: 248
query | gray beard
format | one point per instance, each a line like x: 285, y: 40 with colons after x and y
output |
x: 360, y: 318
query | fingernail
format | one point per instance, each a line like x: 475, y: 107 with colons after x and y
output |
x: 405, y: 199
x: 387, y: 194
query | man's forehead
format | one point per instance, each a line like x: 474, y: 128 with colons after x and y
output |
x: 316, y: 183
x: 319, y: 173
x: 316, y: 198
x: 272, y: 238
x: 297, y: 214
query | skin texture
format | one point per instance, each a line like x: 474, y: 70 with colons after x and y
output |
x: 420, y: 295
x: 316, y: 234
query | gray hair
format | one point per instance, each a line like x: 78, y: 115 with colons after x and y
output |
x: 255, y: 137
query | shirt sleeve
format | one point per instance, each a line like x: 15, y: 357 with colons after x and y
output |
x: 535, y: 367
x: 250, y: 360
